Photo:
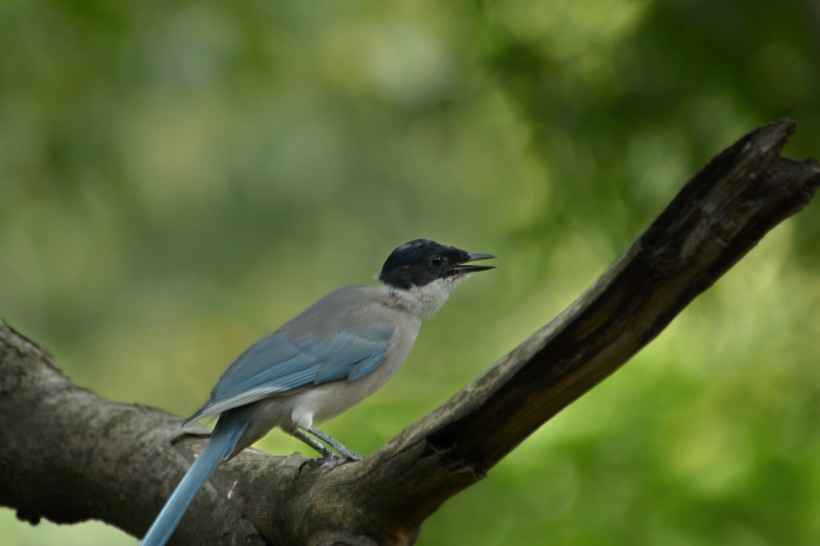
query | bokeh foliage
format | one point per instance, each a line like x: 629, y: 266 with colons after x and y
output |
x: 179, y: 178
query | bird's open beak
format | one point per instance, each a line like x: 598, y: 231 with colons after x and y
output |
x: 466, y: 267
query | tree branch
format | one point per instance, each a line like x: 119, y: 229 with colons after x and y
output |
x: 70, y: 455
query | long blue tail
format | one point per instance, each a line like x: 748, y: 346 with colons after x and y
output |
x: 226, y: 435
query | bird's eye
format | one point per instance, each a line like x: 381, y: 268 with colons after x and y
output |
x: 436, y: 260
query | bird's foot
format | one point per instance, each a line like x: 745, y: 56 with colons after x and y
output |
x: 329, y: 461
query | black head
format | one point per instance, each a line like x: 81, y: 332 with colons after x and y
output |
x: 423, y: 261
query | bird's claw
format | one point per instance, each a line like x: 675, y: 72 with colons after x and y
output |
x: 329, y: 461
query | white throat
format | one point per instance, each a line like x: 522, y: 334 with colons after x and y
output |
x: 424, y: 301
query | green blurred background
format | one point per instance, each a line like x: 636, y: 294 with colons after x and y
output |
x: 179, y: 178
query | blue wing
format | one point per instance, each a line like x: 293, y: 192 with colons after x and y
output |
x: 331, y: 341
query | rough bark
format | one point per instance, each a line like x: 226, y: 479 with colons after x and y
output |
x: 72, y: 456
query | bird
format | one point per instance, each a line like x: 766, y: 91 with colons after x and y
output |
x: 323, y: 361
